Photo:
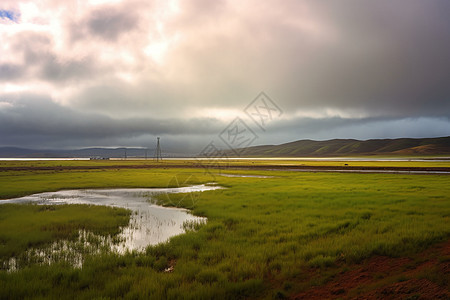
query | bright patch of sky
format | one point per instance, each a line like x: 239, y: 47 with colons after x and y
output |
x: 10, y: 15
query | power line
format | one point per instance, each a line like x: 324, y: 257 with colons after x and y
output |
x: 158, y: 155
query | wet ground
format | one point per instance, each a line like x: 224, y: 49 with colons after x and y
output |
x: 150, y: 224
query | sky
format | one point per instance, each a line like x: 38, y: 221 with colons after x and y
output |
x: 83, y: 73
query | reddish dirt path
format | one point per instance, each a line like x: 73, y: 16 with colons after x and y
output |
x: 422, y: 276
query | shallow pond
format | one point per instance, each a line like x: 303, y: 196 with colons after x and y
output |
x: 150, y: 224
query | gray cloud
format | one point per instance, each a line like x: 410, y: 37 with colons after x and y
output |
x: 110, y: 22
x: 379, y: 57
x: 133, y: 69
x: 36, y: 121
x: 41, y: 62
x: 39, y: 117
x: 382, y: 57
x: 11, y: 71
x: 53, y: 70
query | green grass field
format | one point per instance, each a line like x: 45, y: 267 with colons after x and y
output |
x: 388, y: 162
x: 263, y: 239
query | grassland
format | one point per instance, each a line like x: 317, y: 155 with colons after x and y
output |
x: 402, y: 162
x: 265, y: 237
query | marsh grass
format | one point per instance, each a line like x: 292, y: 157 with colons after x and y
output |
x: 33, y: 234
x: 260, y: 235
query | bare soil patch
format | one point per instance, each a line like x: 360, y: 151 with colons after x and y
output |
x: 422, y: 276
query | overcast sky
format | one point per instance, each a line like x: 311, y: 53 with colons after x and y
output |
x: 78, y: 73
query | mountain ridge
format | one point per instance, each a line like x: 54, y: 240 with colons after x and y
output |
x: 17, y: 152
x: 346, y: 147
x: 300, y: 148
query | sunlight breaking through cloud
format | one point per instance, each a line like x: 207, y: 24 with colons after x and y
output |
x: 206, y: 60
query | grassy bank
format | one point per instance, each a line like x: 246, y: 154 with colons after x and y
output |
x: 265, y: 238
x: 26, y: 226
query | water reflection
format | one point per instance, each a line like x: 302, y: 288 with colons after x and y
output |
x: 149, y: 224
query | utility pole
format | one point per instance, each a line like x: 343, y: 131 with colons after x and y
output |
x: 125, y: 153
x: 158, y: 155
x: 146, y: 153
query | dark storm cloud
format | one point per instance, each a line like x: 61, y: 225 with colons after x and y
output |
x: 387, y: 57
x: 25, y: 116
x: 381, y: 56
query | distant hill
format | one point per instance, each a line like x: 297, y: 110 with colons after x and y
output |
x: 347, y: 147
x: 13, y: 152
x: 305, y: 148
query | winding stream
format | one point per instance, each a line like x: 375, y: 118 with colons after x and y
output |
x: 150, y: 224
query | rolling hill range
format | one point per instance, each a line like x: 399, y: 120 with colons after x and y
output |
x: 13, y: 152
x: 347, y: 147
x: 301, y: 148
